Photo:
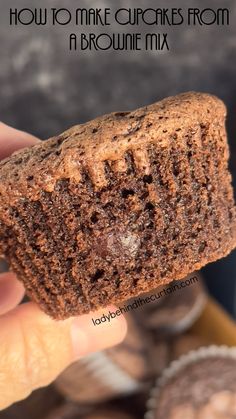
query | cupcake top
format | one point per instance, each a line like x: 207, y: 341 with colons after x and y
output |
x: 200, y: 385
x: 112, y: 136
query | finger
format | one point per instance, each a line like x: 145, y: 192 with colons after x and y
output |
x: 12, y: 139
x: 11, y: 292
x: 34, y: 349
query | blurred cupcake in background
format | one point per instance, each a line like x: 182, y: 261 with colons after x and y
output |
x: 165, y: 351
x: 132, y: 366
x: 174, y: 308
x: 121, y: 370
x: 185, y: 343
x: 73, y: 411
x: 199, y: 385
x: 159, y: 357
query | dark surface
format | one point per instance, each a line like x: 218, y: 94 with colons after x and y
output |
x: 45, y: 89
x: 36, y: 406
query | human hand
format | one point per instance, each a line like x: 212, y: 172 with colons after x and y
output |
x: 34, y: 349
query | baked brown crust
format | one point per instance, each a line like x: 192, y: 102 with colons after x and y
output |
x: 119, y: 205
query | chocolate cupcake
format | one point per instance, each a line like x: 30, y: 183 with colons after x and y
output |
x: 174, y: 308
x: 120, y: 205
x: 200, y: 385
x: 122, y: 370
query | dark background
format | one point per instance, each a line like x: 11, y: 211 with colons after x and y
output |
x: 44, y: 88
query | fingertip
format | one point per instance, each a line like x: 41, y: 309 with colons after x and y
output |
x: 12, y: 139
x: 90, y: 335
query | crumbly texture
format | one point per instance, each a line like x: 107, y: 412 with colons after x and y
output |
x: 120, y: 205
x: 204, y: 389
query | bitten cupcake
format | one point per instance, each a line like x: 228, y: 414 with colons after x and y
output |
x: 122, y: 370
x: 200, y: 385
x: 120, y: 205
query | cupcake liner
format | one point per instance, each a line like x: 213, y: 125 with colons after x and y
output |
x: 105, y: 380
x: 102, y: 367
x: 194, y: 313
x: 176, y: 366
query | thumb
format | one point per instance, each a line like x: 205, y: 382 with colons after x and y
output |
x: 34, y: 349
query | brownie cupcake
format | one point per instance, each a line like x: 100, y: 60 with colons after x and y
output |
x: 174, y: 308
x: 200, y: 385
x: 122, y: 370
x: 120, y: 205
